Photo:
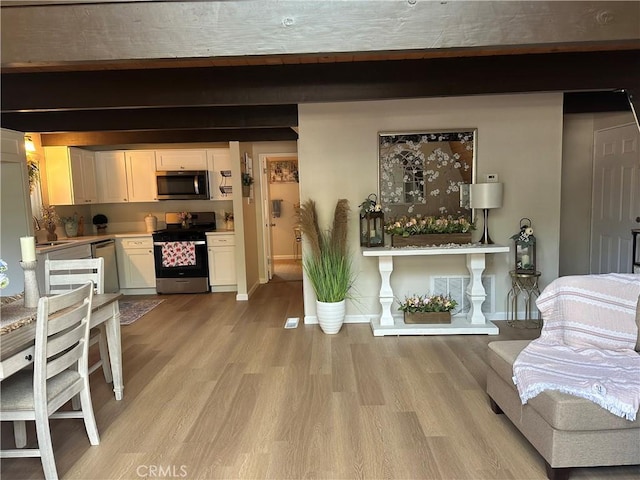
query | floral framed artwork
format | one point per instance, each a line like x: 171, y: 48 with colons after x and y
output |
x: 426, y: 173
x: 283, y: 171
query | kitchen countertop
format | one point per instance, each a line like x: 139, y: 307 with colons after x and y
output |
x: 67, y: 242
x: 87, y: 239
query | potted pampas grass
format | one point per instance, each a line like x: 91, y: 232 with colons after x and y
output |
x: 327, y: 263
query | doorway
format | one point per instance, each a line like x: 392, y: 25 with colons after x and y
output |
x: 616, y: 190
x: 280, y: 209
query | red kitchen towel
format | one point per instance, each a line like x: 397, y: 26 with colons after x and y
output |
x: 178, y: 254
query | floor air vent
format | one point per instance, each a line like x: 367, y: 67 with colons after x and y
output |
x: 457, y: 287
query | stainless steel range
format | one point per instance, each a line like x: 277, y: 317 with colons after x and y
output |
x: 180, y: 253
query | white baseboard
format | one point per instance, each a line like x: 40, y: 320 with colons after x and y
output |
x: 313, y: 320
x: 286, y: 257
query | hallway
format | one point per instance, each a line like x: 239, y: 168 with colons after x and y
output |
x: 287, y: 271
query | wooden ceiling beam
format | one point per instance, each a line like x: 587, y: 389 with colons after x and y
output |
x: 295, y: 84
x: 125, y: 119
x: 83, y: 139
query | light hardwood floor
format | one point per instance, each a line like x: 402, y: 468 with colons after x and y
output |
x: 216, y: 388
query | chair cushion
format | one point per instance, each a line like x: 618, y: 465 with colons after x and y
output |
x: 560, y: 410
x: 17, y: 390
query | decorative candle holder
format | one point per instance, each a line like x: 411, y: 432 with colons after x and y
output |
x: 31, y: 291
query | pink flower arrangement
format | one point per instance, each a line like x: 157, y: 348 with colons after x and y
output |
x: 434, y: 303
x: 407, y: 226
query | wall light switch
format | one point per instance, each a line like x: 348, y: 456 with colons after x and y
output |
x: 491, y: 177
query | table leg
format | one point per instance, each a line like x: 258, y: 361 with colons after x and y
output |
x: 115, y: 349
x: 476, y: 291
x: 385, y: 266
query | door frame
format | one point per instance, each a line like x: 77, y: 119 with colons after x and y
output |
x: 267, y: 239
x: 595, y: 178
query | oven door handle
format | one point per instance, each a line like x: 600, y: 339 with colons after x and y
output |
x: 195, y: 242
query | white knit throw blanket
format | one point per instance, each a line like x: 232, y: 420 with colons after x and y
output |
x: 586, y: 347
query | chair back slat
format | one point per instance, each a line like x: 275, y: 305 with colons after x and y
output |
x: 65, y: 340
x: 65, y: 361
x: 59, y: 323
x: 64, y: 275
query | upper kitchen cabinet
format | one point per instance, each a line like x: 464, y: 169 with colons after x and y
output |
x: 112, y: 177
x: 141, y: 177
x: 192, y: 159
x: 126, y: 176
x: 71, y: 176
x: 220, y: 179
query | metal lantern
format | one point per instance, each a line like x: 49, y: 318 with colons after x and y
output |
x: 525, y: 250
x: 371, y: 223
x: 372, y: 229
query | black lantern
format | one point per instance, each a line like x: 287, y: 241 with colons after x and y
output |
x: 525, y: 248
x: 371, y: 223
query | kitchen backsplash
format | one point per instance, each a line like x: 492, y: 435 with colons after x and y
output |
x: 129, y: 217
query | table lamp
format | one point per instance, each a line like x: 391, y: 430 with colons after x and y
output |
x: 485, y: 196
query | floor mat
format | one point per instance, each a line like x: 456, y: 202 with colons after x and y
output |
x: 132, y: 310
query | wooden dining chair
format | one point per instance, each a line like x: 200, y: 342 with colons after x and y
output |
x: 60, y: 372
x: 62, y: 275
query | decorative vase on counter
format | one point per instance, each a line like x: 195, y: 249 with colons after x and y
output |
x: 184, y: 224
x: 71, y: 228
x: 52, y: 236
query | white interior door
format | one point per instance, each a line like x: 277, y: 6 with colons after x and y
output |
x: 616, y: 198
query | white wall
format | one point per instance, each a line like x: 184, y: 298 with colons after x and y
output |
x: 577, y: 183
x: 519, y: 138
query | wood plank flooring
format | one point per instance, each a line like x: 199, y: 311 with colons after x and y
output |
x: 218, y: 389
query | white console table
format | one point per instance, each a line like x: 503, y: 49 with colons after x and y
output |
x: 474, y: 323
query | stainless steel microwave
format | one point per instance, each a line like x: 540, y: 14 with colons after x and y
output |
x: 183, y: 185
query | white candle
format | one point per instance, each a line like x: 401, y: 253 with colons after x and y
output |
x: 525, y: 260
x: 28, y: 249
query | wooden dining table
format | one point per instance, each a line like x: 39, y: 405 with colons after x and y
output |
x: 17, y: 335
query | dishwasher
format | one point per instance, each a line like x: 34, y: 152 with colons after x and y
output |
x: 107, y: 250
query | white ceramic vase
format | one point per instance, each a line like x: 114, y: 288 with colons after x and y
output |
x: 330, y: 316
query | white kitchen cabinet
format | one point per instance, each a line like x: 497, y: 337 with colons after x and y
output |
x: 71, y: 176
x: 112, y: 177
x: 136, y: 269
x: 126, y: 176
x: 187, y: 159
x: 221, y: 251
x: 141, y: 178
x: 220, y: 179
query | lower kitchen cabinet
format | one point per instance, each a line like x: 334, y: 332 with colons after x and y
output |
x: 222, y: 262
x: 136, y: 269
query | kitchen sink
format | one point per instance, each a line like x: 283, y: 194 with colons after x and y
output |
x: 56, y: 242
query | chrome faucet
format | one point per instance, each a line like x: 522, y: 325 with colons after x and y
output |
x: 36, y: 224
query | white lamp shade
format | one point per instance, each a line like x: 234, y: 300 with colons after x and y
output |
x: 485, y: 195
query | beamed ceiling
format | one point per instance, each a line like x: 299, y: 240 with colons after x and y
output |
x: 95, y: 101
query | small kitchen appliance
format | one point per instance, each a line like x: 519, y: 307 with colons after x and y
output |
x: 183, y: 185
